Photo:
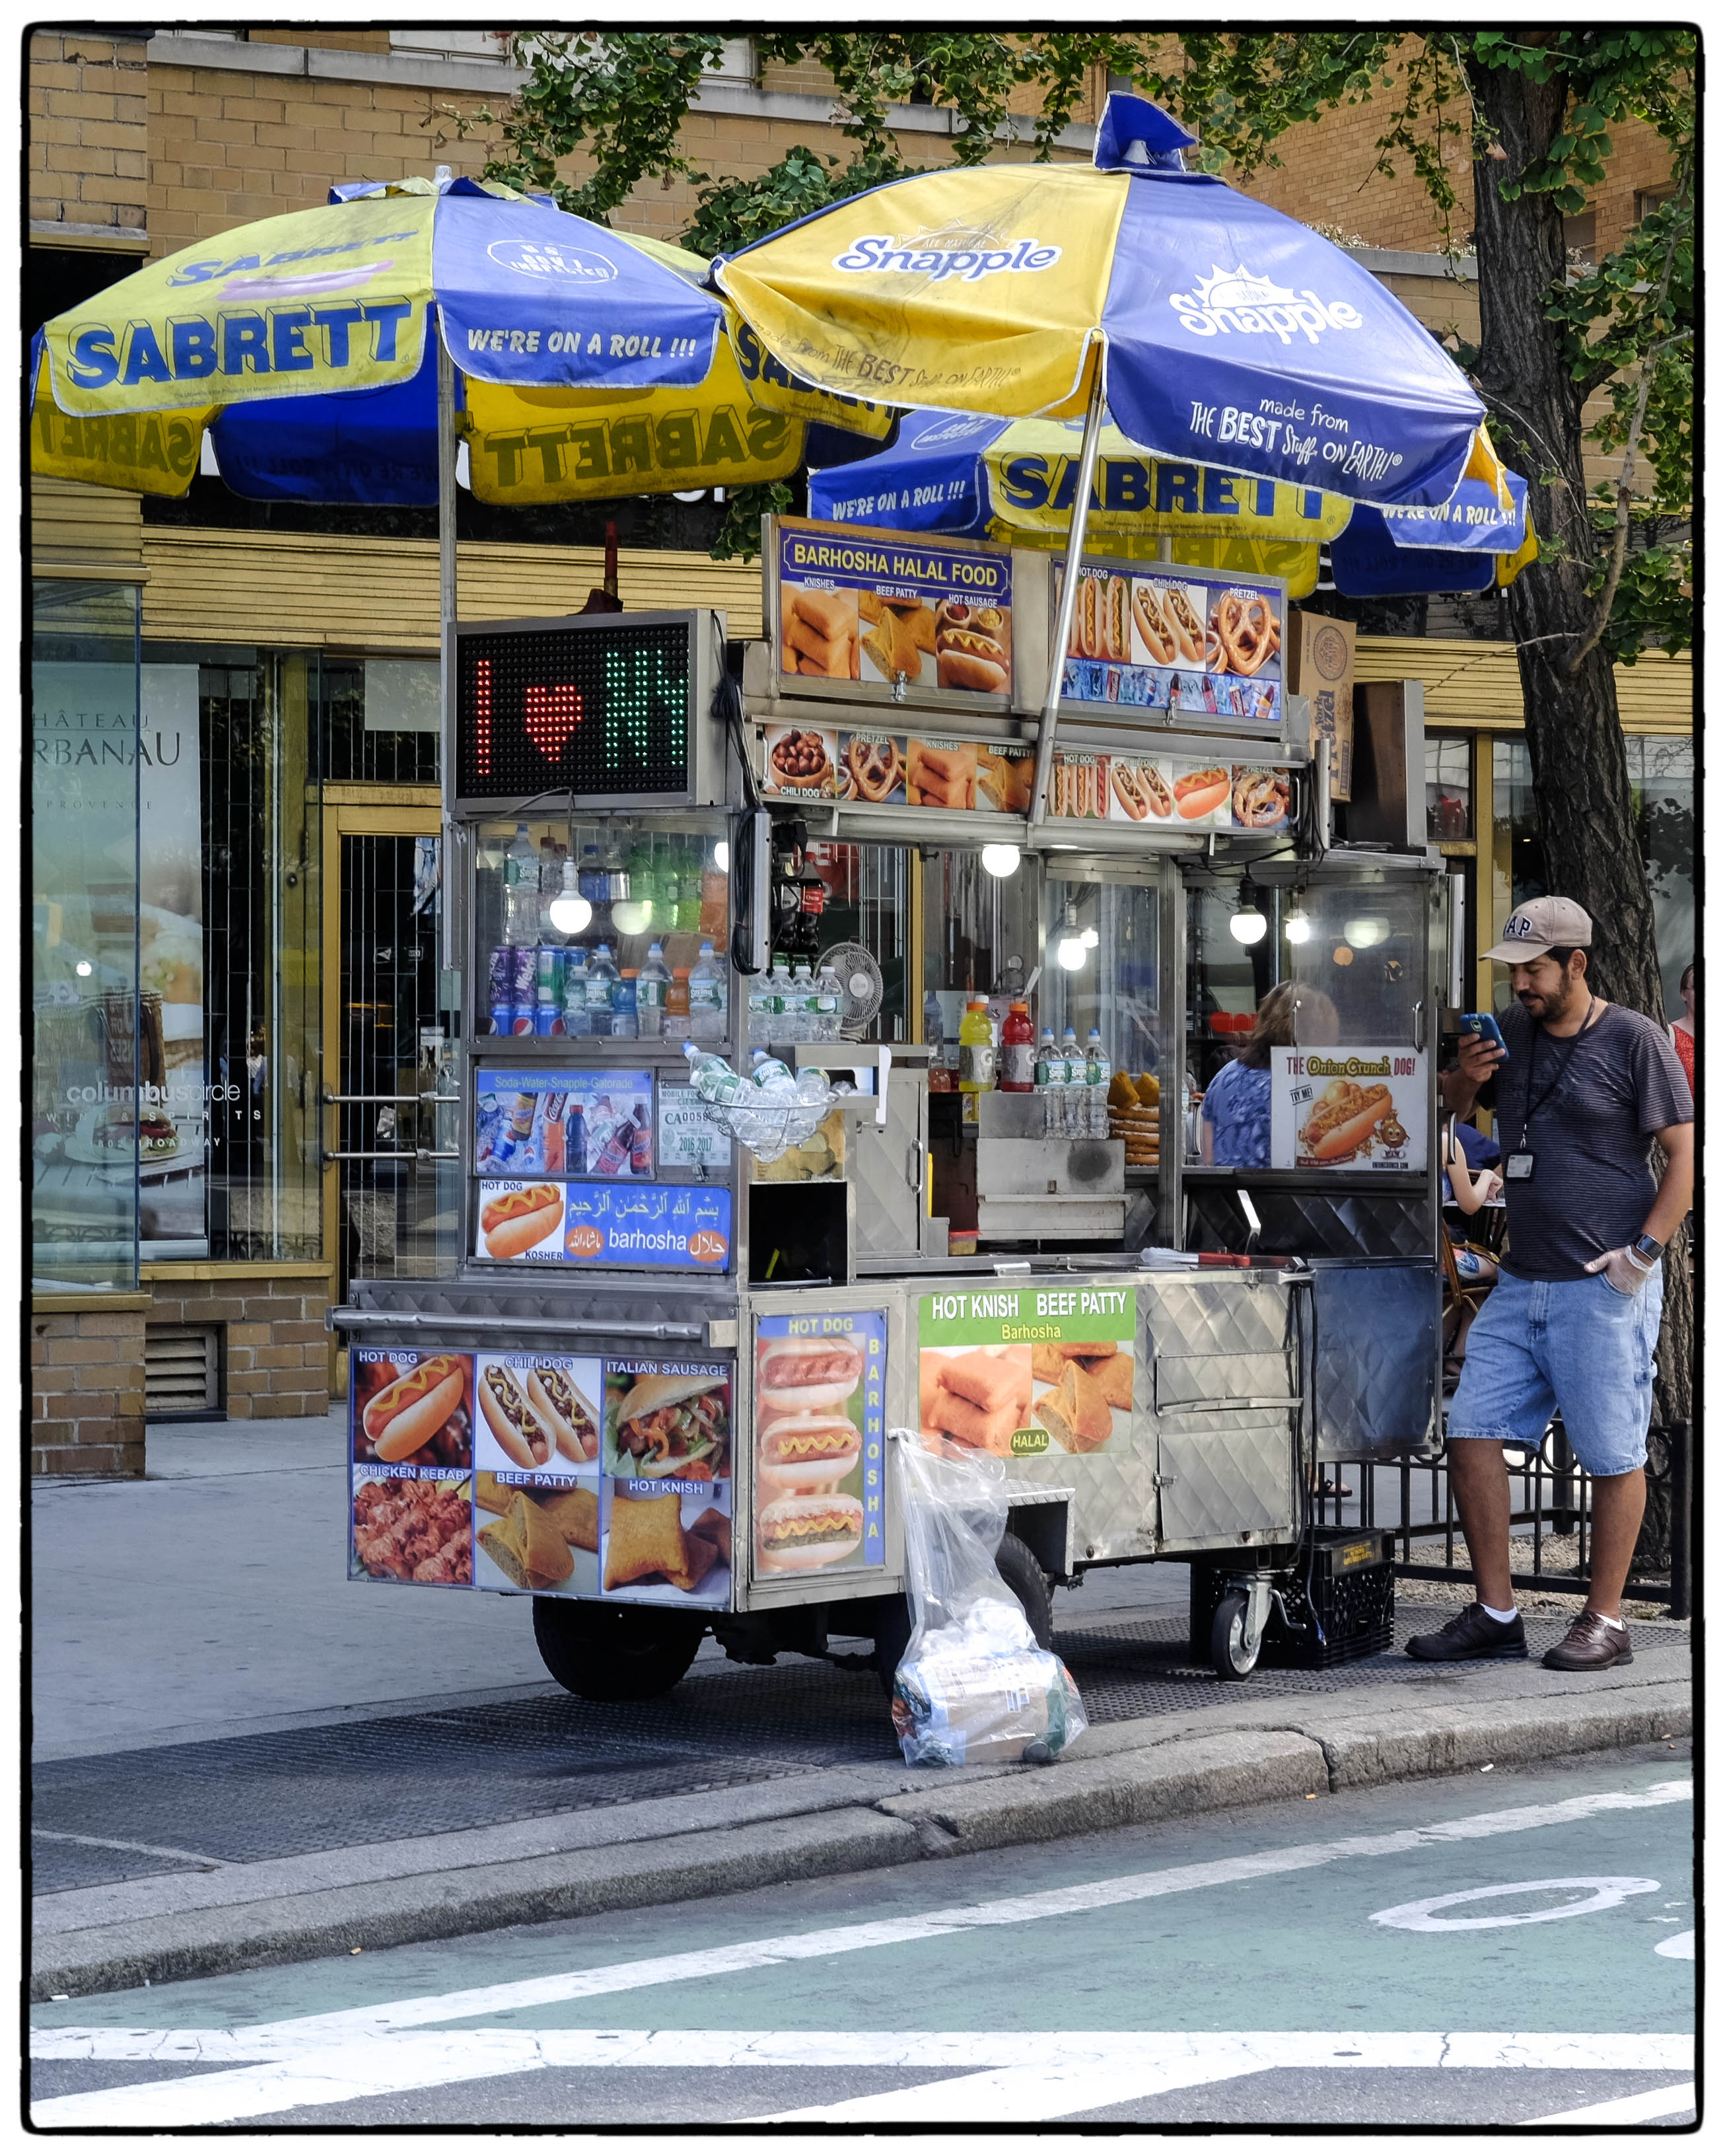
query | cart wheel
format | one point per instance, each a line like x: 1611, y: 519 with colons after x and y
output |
x: 1026, y: 1579
x: 613, y: 1654
x: 1230, y: 1656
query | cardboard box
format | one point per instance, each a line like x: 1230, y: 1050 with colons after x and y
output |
x: 1320, y: 665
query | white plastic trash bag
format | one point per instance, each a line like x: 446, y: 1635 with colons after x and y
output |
x: 973, y: 1684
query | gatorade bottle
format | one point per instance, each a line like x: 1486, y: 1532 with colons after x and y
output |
x: 976, y: 1049
x: 1017, y: 1050
x: 676, y: 1002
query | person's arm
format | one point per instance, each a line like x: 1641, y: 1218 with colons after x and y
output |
x: 1207, y: 1140
x: 1477, y: 1059
x: 1466, y: 1194
x: 1625, y: 1271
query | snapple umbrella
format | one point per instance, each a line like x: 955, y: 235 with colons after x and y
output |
x: 1219, y: 331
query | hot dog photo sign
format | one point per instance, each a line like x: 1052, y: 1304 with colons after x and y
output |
x: 1178, y: 639
x: 1356, y: 1108
x: 820, y: 1424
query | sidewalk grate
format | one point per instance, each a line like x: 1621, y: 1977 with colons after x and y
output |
x: 243, y: 1799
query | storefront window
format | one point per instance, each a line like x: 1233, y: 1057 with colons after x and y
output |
x: 1448, y: 786
x: 1661, y: 774
x: 230, y: 921
x: 979, y: 931
x: 381, y: 720
x: 99, y: 1066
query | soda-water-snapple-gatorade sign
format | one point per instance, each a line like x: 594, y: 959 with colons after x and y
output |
x: 1021, y: 1371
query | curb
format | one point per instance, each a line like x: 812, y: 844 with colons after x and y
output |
x: 1135, y: 1780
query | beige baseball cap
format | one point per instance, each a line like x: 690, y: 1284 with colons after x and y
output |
x: 1535, y: 928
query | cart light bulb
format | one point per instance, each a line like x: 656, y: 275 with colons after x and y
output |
x: 85, y: 969
x: 1249, y: 927
x: 722, y: 857
x: 570, y: 912
x: 1364, y: 933
x: 1001, y: 860
x: 1071, y: 953
x: 631, y: 915
x: 1297, y: 928
x: 1090, y: 939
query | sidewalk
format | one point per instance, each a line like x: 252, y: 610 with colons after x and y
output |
x: 251, y: 1760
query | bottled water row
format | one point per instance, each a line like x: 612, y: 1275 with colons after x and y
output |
x: 1073, y: 1083
x: 791, y: 1005
x: 770, y: 1109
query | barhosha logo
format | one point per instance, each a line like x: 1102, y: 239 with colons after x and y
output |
x: 1234, y: 299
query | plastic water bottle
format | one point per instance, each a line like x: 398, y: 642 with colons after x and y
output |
x: 760, y: 1028
x: 602, y: 982
x: 778, y: 999
x: 652, y: 986
x: 520, y: 890
x: 934, y: 1028
x: 706, y: 997
x: 1044, y: 1080
x: 828, y: 1002
x: 1074, y: 1115
x: 714, y: 1079
x: 625, y: 1007
x: 575, y: 1024
x: 1097, y: 1076
x: 769, y: 1071
x: 590, y: 879
x: 803, y: 998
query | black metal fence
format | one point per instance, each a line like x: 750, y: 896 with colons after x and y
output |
x: 1551, y: 1502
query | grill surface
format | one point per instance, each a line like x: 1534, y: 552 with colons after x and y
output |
x: 240, y: 1799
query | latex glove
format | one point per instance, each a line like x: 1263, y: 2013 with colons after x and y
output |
x: 1623, y: 1270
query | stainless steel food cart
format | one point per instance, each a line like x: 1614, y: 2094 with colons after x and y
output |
x: 668, y: 1370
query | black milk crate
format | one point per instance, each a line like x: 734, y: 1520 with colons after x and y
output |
x: 1353, y: 1597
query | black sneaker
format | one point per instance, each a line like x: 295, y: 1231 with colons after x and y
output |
x: 1473, y: 1637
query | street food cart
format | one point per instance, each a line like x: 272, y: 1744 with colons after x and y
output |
x: 659, y: 1392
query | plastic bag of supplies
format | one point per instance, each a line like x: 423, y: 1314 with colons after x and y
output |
x: 973, y: 1684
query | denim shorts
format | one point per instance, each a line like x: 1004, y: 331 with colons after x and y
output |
x: 1576, y: 1348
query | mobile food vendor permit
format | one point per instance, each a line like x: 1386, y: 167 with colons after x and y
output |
x: 1020, y: 1371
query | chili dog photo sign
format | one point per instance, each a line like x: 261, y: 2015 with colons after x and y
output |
x: 1178, y: 639
x: 891, y: 612
x: 820, y: 1426
x: 1348, y: 1108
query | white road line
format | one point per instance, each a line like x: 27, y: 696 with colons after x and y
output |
x: 327, y: 2038
x: 1084, y: 2070
x: 1065, y: 2086
x: 1627, y: 2110
x: 707, y: 1962
x: 1680, y: 1947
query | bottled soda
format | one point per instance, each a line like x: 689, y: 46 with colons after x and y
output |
x: 677, y: 1010
x: 1018, y: 1039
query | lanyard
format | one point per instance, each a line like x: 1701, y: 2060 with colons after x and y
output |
x: 1558, y: 1078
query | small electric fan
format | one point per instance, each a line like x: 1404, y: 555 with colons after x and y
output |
x: 859, y: 982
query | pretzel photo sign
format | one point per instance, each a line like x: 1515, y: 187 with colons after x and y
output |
x: 1170, y: 638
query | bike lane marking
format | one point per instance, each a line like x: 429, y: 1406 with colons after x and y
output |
x: 1626, y: 2110
x: 284, y: 2049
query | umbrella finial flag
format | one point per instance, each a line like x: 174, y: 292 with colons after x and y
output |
x: 1136, y: 133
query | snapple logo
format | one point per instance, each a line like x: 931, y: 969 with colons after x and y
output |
x: 1235, y: 300
x: 939, y: 259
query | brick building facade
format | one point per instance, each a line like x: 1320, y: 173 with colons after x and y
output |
x: 140, y: 147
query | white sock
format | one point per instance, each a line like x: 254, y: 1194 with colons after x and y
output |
x: 1616, y: 1623
x: 1503, y: 1616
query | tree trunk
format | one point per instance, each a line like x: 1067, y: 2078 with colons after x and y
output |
x: 1581, y: 790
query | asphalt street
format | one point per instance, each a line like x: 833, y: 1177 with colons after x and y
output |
x: 1501, y: 1948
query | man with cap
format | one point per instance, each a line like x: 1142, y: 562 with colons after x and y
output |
x: 1583, y: 1089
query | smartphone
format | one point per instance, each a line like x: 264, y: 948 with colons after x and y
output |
x: 1485, y: 1026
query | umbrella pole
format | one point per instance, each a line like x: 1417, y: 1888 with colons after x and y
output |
x: 1068, y: 588
x: 450, y: 959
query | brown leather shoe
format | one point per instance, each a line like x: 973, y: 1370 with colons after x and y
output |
x: 1592, y: 1642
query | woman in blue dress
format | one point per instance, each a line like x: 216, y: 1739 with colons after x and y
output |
x: 1235, y: 1128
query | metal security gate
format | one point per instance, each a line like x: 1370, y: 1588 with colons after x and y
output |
x: 390, y: 1142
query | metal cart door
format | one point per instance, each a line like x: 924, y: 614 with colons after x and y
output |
x: 1224, y: 1384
